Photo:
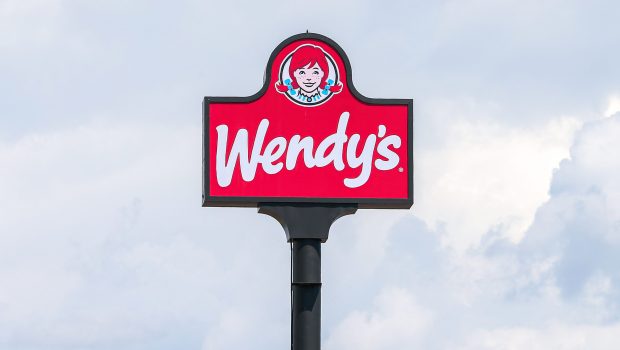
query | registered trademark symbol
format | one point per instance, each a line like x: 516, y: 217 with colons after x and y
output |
x: 400, y: 170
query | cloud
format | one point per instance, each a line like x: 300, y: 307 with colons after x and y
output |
x: 613, y: 105
x: 556, y: 287
x: 104, y: 243
x: 28, y: 23
x: 580, y: 224
x: 499, y: 173
x: 554, y: 337
x: 395, y: 320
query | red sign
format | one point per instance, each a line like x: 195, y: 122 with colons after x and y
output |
x: 308, y: 136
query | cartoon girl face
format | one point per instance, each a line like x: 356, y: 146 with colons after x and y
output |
x: 312, y: 76
x: 309, y: 77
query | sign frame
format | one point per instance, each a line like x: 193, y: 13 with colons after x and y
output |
x: 368, y: 203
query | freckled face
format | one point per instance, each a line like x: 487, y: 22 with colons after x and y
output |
x: 309, y: 78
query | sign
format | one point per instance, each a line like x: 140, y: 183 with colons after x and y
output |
x: 308, y: 136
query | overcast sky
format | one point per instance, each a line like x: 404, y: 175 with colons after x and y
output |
x: 513, y: 241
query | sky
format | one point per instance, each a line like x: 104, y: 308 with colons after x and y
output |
x: 513, y: 241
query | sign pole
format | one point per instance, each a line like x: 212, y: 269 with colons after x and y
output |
x: 306, y: 294
x: 306, y: 227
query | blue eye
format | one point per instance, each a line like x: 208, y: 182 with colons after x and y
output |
x: 301, y: 72
x: 316, y: 72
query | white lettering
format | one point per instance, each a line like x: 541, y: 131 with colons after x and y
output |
x: 336, y: 140
x: 295, y: 146
x: 391, y: 158
x: 364, y: 159
x: 224, y: 169
x: 273, y: 151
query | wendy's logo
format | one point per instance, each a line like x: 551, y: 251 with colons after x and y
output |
x: 308, y: 76
x: 307, y: 136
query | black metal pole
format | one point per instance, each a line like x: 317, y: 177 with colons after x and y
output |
x: 306, y: 226
x: 306, y: 294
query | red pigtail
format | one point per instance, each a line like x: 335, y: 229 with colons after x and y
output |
x: 336, y: 88
x: 285, y: 88
x: 281, y: 87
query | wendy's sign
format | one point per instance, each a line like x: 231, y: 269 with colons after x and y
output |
x: 308, y: 136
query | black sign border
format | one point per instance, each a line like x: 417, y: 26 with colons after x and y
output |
x: 368, y: 203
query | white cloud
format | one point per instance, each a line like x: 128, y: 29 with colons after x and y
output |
x: 240, y: 329
x: 395, y: 322
x: 560, y: 337
x: 104, y: 242
x: 557, y: 288
x: 613, y: 106
x: 499, y: 174
x: 580, y: 222
x: 26, y: 23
